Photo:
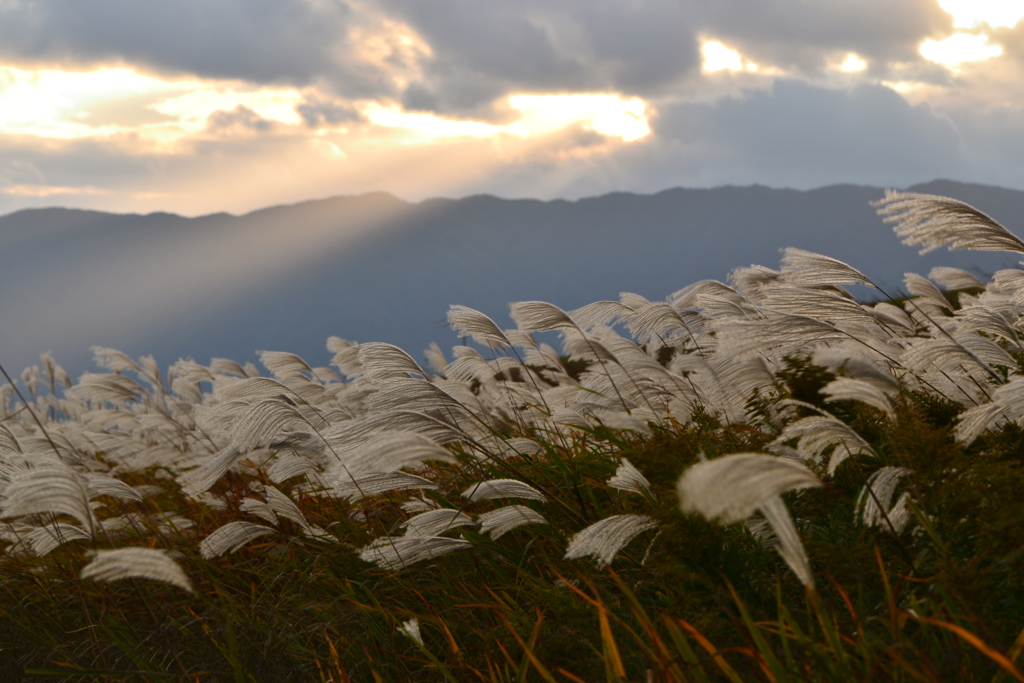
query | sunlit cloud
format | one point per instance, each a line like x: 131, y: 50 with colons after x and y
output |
x: 995, y: 13
x: 717, y: 57
x: 50, y: 191
x: 426, y: 126
x: 57, y: 104
x: 193, y: 109
x: 959, y: 48
x: 853, y: 64
x: 609, y: 115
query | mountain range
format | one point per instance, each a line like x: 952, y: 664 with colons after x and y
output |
x: 376, y: 268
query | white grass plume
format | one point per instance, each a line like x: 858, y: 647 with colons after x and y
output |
x: 502, y: 488
x: 953, y: 278
x: 801, y: 267
x: 628, y: 478
x: 926, y: 291
x: 142, y: 563
x: 732, y: 487
x: 789, y: 545
x: 397, y: 552
x: 102, y: 485
x: 284, y: 365
x: 230, y: 538
x: 875, y: 505
x: 200, y: 479
x: 604, y: 539
x: 45, y: 539
x: 411, y: 630
x: 375, y: 483
x: 471, y: 323
x: 386, y: 451
x: 48, y: 489
x: 263, y: 421
x: 436, y: 522
x: 849, y: 389
x: 380, y: 361
x: 1007, y: 405
x: 412, y: 394
x: 933, y: 222
x: 435, y: 358
x: 539, y: 316
x: 285, y: 466
x: 818, y: 433
x: 499, y: 522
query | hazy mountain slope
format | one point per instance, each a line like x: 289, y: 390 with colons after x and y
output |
x: 376, y: 268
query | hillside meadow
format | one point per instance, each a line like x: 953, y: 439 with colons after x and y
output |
x: 762, y: 479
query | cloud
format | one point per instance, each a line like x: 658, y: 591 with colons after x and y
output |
x: 318, y: 112
x: 792, y: 135
x: 803, y: 37
x: 235, y: 104
x: 344, y: 45
x: 482, y: 51
x: 240, y: 119
x: 799, y: 133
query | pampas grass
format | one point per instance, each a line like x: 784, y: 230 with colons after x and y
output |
x: 871, y: 453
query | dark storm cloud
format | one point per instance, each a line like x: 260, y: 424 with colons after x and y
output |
x: 282, y: 41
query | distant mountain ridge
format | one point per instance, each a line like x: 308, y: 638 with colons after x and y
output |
x: 376, y: 268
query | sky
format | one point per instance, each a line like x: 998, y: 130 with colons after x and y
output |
x: 200, y: 106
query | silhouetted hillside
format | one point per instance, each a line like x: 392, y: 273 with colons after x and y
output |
x: 375, y: 268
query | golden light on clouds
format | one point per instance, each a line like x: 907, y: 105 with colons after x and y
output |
x: 959, y: 48
x: 717, y: 57
x: 57, y: 104
x: 105, y: 102
x: 853, y: 64
x: 194, y: 108
x: 995, y: 13
x: 50, y: 190
x: 609, y: 115
x: 425, y: 126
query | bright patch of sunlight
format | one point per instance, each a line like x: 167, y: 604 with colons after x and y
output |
x: 329, y: 149
x: 959, y: 48
x: 853, y: 64
x: 49, y: 190
x: 996, y: 13
x: 192, y: 109
x: 53, y: 103
x: 717, y: 57
x: 903, y: 86
x: 64, y: 104
x: 426, y: 125
x: 606, y: 114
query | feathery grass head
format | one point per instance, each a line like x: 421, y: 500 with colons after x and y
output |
x: 128, y: 563
x: 731, y: 488
x: 932, y: 222
x: 604, y: 539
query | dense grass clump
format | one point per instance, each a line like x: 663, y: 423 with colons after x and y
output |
x: 764, y: 480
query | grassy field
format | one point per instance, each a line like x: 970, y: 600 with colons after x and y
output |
x: 763, y: 480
